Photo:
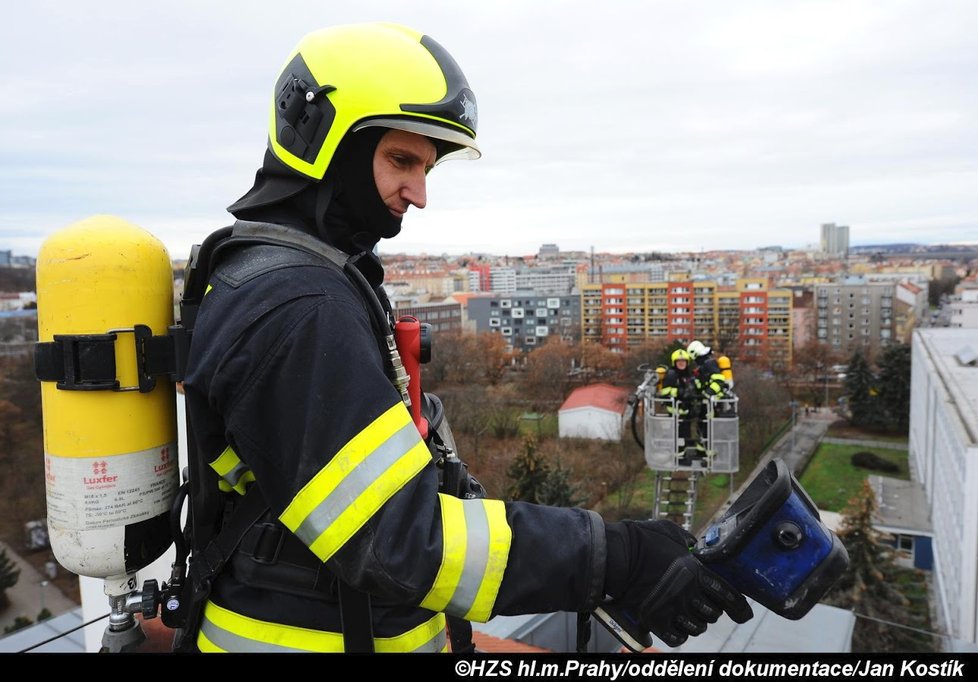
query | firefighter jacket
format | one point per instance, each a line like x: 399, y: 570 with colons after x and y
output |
x: 286, y: 386
x: 709, y: 377
x: 679, y: 385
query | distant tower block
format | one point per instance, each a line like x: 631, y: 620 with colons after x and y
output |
x: 835, y: 239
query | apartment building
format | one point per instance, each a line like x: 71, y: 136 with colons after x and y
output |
x: 527, y: 319
x: 835, y: 239
x: 944, y: 459
x: 963, y: 307
x: 443, y: 316
x: 749, y: 320
x: 855, y: 315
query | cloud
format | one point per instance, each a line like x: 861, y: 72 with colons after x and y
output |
x: 632, y: 125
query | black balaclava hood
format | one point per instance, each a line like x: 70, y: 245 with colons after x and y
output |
x: 344, y: 209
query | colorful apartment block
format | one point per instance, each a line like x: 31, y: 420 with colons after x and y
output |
x: 750, y: 320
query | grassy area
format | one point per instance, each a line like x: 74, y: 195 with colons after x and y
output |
x: 842, y: 429
x: 831, y: 479
x: 540, y: 425
x: 713, y: 491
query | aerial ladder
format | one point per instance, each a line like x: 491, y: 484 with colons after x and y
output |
x: 677, y: 463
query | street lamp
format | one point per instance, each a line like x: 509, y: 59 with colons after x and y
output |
x: 825, y: 378
x: 794, y: 407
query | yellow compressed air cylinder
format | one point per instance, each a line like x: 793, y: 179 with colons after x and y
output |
x: 723, y: 362
x: 110, y: 456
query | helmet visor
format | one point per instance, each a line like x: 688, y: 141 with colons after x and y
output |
x: 461, y: 145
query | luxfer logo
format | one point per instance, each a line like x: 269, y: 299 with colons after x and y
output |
x: 100, y: 474
x: 165, y: 462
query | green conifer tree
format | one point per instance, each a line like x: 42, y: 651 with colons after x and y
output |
x: 534, y: 480
x: 894, y: 383
x: 861, y: 392
x: 872, y: 586
x: 9, y: 575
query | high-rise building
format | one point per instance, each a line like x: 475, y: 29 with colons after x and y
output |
x: 749, y: 320
x: 944, y: 459
x: 855, y: 315
x: 835, y: 239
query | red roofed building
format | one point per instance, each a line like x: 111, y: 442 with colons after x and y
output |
x: 596, y: 411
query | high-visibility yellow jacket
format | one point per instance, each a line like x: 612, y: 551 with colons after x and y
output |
x: 286, y: 386
x: 709, y: 377
x: 679, y: 385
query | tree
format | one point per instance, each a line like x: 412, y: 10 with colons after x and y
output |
x: 548, y: 371
x: 870, y: 586
x: 449, y: 352
x: 20, y: 622
x: 10, y: 426
x: 894, y: 383
x: 9, y: 575
x: 493, y: 356
x: 599, y: 362
x: 534, y: 480
x: 861, y: 391
x: 811, y: 364
x: 763, y: 406
x: 936, y: 288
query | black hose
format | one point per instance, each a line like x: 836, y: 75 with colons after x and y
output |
x: 634, y: 419
x: 176, y: 530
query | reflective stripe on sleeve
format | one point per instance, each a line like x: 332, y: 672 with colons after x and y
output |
x: 475, y: 549
x: 364, y: 474
x: 234, y: 473
x: 222, y: 630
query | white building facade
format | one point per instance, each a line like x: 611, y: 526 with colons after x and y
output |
x: 944, y: 458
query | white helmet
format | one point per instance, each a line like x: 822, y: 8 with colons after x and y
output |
x: 697, y: 349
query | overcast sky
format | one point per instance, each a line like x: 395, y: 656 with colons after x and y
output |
x: 626, y: 126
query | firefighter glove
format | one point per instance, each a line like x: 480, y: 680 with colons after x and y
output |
x: 651, y: 573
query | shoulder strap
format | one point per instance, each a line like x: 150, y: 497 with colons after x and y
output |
x: 249, y: 232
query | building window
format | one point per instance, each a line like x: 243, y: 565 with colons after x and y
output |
x: 494, y: 322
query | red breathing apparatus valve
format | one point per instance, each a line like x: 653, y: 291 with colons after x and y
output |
x: 413, y: 340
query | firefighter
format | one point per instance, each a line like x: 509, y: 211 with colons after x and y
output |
x: 678, y: 384
x: 710, y: 380
x: 289, y: 396
x: 710, y: 383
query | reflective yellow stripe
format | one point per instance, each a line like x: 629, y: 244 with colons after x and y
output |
x: 475, y: 548
x: 208, y: 289
x: 223, y: 630
x: 453, y: 554
x: 363, y: 475
x: 427, y: 637
x: 235, y: 474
